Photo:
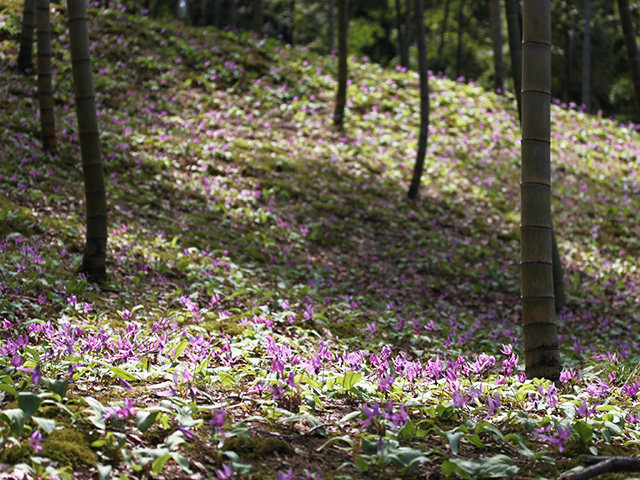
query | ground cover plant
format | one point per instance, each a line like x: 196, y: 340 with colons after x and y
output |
x: 275, y: 307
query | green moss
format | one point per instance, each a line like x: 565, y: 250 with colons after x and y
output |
x: 69, y: 448
x: 257, y: 448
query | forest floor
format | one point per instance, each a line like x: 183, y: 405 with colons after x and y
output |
x: 275, y: 306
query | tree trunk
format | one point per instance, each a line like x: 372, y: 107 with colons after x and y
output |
x: 496, y: 33
x: 233, y: 15
x: 94, y: 261
x: 403, y: 44
x: 443, y: 32
x: 423, y: 69
x: 515, y: 50
x: 217, y: 14
x: 407, y: 28
x: 25, y: 55
x: 632, y: 46
x: 586, y: 58
x: 292, y: 15
x: 258, y: 17
x: 568, y: 65
x: 45, y: 91
x: 541, y: 351
x: 343, y: 31
x: 332, y: 26
x: 460, y: 30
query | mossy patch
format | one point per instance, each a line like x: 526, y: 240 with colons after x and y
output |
x: 257, y: 448
x: 67, y: 447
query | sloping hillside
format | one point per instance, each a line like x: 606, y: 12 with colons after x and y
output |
x: 274, y: 300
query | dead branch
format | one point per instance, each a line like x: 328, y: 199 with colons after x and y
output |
x: 601, y: 465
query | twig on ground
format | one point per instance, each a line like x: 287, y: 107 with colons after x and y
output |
x: 600, y: 465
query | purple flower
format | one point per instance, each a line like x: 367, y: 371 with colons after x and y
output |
x: 288, y: 475
x: 371, y: 414
x: 494, y: 403
x: 226, y: 472
x: 584, y: 410
x: 631, y: 389
x: 458, y: 400
x: 35, y: 439
x: 567, y: 375
x: 219, y: 420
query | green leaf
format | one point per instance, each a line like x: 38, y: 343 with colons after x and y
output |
x: 583, y: 430
x: 28, y: 403
x: 119, y: 373
x: 144, y: 420
x: 59, y: 387
x: 46, y: 424
x: 407, y: 431
x: 158, y: 463
x: 10, y: 389
x: 349, y: 380
x: 182, y: 346
x: 454, y: 441
x: 15, y: 418
x: 361, y: 465
x: 104, y: 471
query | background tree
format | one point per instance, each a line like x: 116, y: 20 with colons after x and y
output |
x: 496, y: 33
x: 45, y: 91
x: 332, y: 25
x: 423, y: 68
x: 403, y: 40
x: 258, y: 17
x: 586, y: 57
x: 632, y: 46
x: 94, y: 260
x: 542, y: 356
x: 343, y: 33
x: 515, y: 49
x: 25, y: 54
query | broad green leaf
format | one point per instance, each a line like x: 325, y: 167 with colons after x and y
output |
x: 28, y: 403
x: 15, y: 417
x: 119, y: 373
x: 407, y: 431
x: 59, y: 387
x: 583, y: 430
x: 453, y: 438
x: 46, y: 424
x: 158, y: 464
x: 144, y: 420
x: 104, y: 471
x: 349, y: 380
x: 10, y: 389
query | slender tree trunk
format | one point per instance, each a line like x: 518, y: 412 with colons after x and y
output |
x: 443, y: 32
x: 233, y: 15
x: 403, y: 44
x: 292, y: 16
x: 586, y: 58
x: 258, y: 17
x: 332, y: 26
x: 558, y: 277
x: 217, y: 14
x: 423, y: 69
x: 25, y: 55
x: 632, y: 46
x: 542, y: 356
x: 515, y: 50
x: 460, y: 31
x: 568, y: 65
x: 94, y: 261
x: 496, y: 33
x: 343, y: 32
x: 45, y: 90
x: 408, y: 31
